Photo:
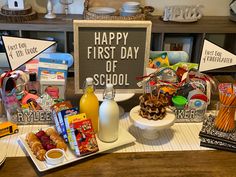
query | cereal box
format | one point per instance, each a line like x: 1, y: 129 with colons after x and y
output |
x: 57, y: 108
x: 62, y: 116
x: 68, y: 124
x: 85, y: 138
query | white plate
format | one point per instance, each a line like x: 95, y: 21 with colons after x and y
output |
x: 135, y: 11
x: 102, y: 10
x: 124, y: 138
x: 3, y: 154
x: 118, y: 97
x: 2, y: 160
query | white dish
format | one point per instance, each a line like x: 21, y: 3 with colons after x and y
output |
x: 131, y: 11
x: 57, y: 160
x: 118, y: 97
x: 2, y: 160
x: 151, y: 127
x: 124, y: 138
x: 102, y: 10
x: 131, y: 5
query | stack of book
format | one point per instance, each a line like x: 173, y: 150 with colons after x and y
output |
x: 213, y: 138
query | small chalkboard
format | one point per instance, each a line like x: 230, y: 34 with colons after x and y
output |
x: 111, y: 52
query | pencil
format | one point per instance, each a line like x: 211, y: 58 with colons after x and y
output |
x: 225, y: 118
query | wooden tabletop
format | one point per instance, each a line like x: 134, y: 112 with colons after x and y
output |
x: 179, y: 163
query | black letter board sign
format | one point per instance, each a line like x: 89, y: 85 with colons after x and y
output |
x: 111, y: 52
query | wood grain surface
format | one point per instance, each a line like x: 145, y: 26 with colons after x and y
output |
x: 7, y: 11
x: 19, y: 18
x: 207, y: 24
x: 153, y: 164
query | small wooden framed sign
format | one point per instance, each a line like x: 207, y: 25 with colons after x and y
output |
x: 111, y: 52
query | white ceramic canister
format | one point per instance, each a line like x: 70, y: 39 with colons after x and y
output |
x: 108, y: 116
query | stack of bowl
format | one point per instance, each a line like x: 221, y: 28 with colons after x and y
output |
x: 130, y: 9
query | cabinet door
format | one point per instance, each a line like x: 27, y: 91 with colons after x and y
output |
x: 70, y: 42
x: 157, y: 41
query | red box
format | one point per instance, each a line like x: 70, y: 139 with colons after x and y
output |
x: 84, y: 136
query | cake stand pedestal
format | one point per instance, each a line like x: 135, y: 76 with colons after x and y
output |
x: 150, y: 128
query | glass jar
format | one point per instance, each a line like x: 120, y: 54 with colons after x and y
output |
x: 224, y: 120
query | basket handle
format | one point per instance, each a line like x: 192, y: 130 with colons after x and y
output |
x: 86, y: 6
x: 147, y: 9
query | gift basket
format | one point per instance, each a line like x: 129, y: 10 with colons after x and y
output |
x: 192, y: 97
x: 107, y: 13
x: 23, y: 104
x: 182, y: 88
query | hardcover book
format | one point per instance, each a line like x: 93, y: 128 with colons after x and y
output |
x: 209, y: 131
x: 210, y: 143
x: 213, y: 138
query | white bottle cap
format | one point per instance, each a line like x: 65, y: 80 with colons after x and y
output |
x: 109, y: 87
x: 89, y: 80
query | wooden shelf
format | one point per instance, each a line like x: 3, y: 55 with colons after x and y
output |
x: 207, y: 24
x: 62, y: 28
x: 60, y: 23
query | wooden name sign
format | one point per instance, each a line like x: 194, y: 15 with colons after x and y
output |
x: 188, y: 115
x: 111, y: 52
x: 32, y: 117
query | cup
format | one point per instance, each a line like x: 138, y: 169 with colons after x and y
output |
x: 131, y: 6
x: 224, y: 120
x: 125, y: 13
x: 179, y: 101
x: 55, y: 156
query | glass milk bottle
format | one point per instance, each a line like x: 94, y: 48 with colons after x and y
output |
x: 89, y: 103
x: 108, y: 116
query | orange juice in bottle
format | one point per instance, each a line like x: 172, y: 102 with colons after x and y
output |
x: 89, y: 103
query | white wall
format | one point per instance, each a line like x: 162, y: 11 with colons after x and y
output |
x: 211, y: 7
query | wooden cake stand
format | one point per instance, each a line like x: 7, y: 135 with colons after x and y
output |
x: 150, y: 128
x: 17, y: 15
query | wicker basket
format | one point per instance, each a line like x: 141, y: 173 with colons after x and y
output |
x: 93, y: 16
